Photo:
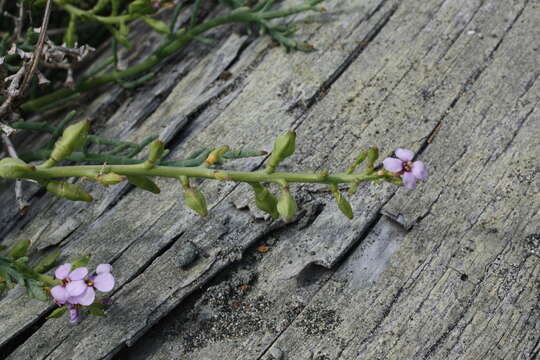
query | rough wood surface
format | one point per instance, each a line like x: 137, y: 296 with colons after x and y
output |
x: 449, y: 270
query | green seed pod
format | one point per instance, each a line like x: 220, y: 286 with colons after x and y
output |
x: 110, y: 179
x: 144, y: 183
x: 342, y: 203
x: 73, y: 138
x: 11, y: 168
x: 157, y: 148
x: 284, y: 147
x: 48, y: 262
x: 286, y: 205
x: 20, y: 249
x: 372, y: 155
x: 265, y: 200
x: 68, y: 191
x: 195, y: 200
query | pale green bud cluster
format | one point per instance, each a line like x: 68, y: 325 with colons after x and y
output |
x: 196, y: 201
x: 286, y: 205
x: 284, y: 147
x: 11, y: 168
x: 67, y: 190
x: 265, y: 200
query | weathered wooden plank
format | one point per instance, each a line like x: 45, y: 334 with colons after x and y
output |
x: 332, y: 59
x: 349, y: 317
x: 251, y: 111
x: 60, y: 222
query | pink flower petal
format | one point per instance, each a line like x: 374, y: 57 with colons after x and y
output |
x: 78, y: 274
x: 76, y: 288
x: 59, y: 294
x: 87, y: 298
x: 393, y: 165
x: 409, y: 180
x: 419, y: 170
x: 404, y: 154
x: 103, y: 268
x: 62, y: 271
x: 104, y: 282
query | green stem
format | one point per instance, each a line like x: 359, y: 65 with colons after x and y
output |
x: 199, y: 172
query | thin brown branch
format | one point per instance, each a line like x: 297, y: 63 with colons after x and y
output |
x: 39, y: 48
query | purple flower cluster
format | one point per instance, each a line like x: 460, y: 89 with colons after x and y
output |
x: 78, y: 289
x: 410, y: 171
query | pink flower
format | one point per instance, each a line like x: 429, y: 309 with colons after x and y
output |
x: 156, y: 4
x: 403, y: 165
x: 77, y: 288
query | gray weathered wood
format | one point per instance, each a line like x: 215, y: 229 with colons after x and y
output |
x: 422, y: 75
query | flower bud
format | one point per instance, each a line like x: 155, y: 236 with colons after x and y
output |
x: 68, y: 191
x: 372, y: 155
x: 265, y: 200
x: 215, y: 155
x: 283, y: 147
x: 11, y: 168
x: 157, y: 148
x: 195, y: 200
x: 19, y: 249
x: 73, y: 138
x: 359, y: 159
x: 48, y: 262
x: 144, y: 183
x: 343, y: 204
x: 110, y: 179
x: 158, y: 25
x: 286, y: 205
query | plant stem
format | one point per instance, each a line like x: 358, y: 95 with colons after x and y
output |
x: 199, y: 172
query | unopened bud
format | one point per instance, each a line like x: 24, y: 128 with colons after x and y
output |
x: 157, y: 149
x: 158, y: 25
x: 11, y: 168
x: 19, y: 249
x: 372, y: 155
x: 359, y: 159
x: 215, y: 155
x: 342, y: 203
x: 68, y: 191
x: 195, y: 200
x: 47, y: 262
x: 286, y: 205
x: 144, y: 183
x: 110, y: 179
x: 73, y: 138
x: 284, y: 147
x: 265, y: 200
